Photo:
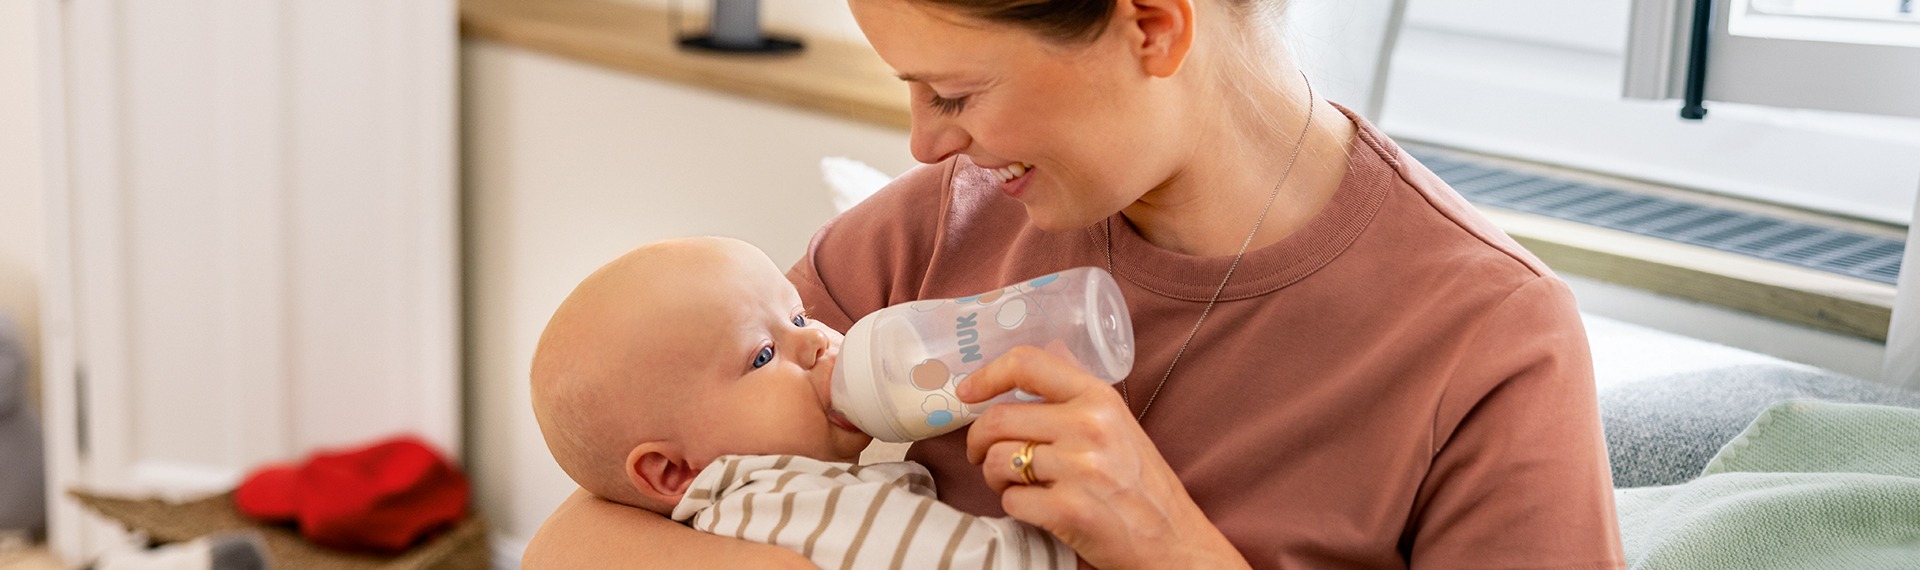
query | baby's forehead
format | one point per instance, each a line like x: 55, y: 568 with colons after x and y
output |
x: 731, y: 294
x: 707, y: 325
x: 669, y: 368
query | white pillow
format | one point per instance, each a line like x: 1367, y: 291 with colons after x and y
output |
x: 850, y: 181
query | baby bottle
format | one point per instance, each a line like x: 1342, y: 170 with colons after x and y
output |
x: 899, y: 366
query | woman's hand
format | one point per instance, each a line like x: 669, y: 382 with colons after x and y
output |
x: 1102, y: 487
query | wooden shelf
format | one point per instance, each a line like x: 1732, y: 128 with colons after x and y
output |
x: 849, y: 80
x: 828, y: 76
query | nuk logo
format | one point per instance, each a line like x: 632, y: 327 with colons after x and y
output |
x: 966, y: 329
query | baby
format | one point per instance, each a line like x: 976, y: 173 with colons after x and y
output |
x: 685, y: 378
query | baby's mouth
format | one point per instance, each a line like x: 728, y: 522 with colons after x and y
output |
x: 834, y: 416
x: 840, y: 420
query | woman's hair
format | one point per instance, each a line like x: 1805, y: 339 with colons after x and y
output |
x: 1072, y: 21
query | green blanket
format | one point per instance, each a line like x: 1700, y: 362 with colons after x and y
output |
x: 1807, y: 485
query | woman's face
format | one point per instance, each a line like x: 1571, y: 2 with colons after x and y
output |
x: 1085, y: 122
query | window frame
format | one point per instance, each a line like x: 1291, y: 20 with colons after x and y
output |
x: 1481, y: 76
x: 1758, y: 58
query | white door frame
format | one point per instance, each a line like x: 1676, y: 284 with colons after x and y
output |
x: 59, y: 360
x: 292, y: 285
x: 1902, y: 367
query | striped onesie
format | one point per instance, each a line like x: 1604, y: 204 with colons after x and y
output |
x: 841, y: 515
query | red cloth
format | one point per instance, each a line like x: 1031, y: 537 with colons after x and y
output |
x: 383, y: 497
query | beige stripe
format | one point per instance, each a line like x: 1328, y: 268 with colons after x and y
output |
x: 834, y: 472
x: 726, y: 482
x: 782, y: 462
x: 726, y: 478
x: 781, y: 483
x: 699, y: 495
x: 746, y: 514
x: 1026, y: 549
x: 913, y: 528
x: 953, y: 543
x: 786, y: 513
x: 855, y: 469
x: 826, y: 517
x: 778, y: 484
x: 866, y: 525
x: 712, y: 513
x: 913, y: 483
x: 993, y: 544
x: 922, y: 481
x: 1053, y: 556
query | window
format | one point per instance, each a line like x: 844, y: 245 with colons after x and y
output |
x: 1870, y: 22
x: 1846, y: 55
x: 1543, y: 80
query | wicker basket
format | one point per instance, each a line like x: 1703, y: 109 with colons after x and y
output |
x: 459, y: 548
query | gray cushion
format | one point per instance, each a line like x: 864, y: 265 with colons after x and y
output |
x: 13, y: 370
x: 1662, y: 431
x: 22, y: 486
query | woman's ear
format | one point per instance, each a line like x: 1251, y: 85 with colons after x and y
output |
x: 1161, y: 32
x: 659, y: 470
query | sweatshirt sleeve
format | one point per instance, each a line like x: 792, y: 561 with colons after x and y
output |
x: 875, y: 254
x: 1519, y: 475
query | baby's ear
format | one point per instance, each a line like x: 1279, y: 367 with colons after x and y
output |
x: 660, y: 471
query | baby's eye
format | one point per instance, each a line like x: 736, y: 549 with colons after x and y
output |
x: 800, y: 320
x: 763, y: 357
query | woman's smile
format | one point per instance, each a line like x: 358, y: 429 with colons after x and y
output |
x: 1014, y: 178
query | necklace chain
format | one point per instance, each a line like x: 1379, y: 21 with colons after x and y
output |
x: 1297, y: 143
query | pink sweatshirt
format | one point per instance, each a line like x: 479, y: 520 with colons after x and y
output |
x: 1397, y: 384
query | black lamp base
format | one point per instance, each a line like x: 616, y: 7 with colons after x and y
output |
x: 768, y: 44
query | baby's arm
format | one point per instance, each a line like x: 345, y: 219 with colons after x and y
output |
x: 882, y: 515
x: 590, y: 532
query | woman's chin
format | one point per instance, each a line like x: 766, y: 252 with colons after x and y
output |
x: 1053, y: 221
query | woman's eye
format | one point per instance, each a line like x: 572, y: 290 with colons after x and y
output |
x: 947, y: 106
x: 799, y: 320
x: 763, y: 357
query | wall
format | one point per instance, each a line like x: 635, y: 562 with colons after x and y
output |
x: 566, y: 167
x: 22, y: 226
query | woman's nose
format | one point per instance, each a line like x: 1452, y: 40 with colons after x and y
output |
x: 934, y: 138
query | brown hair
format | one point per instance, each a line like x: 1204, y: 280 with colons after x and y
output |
x: 1064, y: 21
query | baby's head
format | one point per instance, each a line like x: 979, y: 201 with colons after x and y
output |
x: 677, y: 353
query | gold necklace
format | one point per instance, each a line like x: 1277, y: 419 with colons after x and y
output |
x: 1297, y: 143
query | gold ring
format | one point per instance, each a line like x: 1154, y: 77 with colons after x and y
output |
x: 1023, y: 463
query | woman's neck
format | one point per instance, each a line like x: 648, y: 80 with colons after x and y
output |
x: 1239, y: 152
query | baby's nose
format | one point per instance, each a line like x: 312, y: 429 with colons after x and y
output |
x: 816, y: 347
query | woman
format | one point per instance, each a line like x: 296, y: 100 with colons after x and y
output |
x: 1340, y: 363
